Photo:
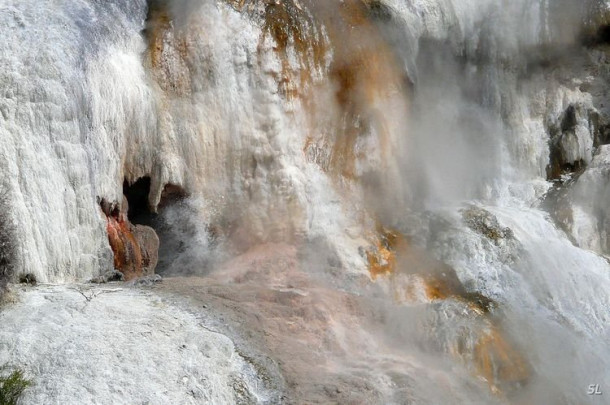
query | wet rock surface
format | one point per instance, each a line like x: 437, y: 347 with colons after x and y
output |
x: 579, y: 205
x: 485, y: 223
x: 321, y: 345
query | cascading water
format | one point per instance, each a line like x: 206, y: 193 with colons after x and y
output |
x: 414, y: 188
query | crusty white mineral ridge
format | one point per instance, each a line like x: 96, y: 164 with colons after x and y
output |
x: 84, y: 106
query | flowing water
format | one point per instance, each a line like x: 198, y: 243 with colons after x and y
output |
x: 385, y: 140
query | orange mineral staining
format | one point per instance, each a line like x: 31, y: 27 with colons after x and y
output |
x: 135, y: 247
x: 498, y: 361
x: 127, y: 253
x: 381, y: 261
x: 167, y: 51
x: 382, y: 256
x: 333, y: 45
x: 416, y: 277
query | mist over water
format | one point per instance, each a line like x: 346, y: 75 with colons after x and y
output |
x: 428, y: 176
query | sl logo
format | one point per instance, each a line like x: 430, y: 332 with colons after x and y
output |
x: 594, y: 389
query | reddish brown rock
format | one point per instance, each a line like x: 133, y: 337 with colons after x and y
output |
x: 135, y: 247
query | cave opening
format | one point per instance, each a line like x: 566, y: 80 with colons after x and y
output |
x: 603, y: 35
x: 598, y: 37
x: 136, y: 194
x: 140, y: 212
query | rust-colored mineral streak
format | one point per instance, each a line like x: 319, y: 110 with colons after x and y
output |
x: 135, y: 247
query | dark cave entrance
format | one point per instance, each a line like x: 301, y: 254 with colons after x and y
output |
x: 137, y: 198
x: 599, y: 37
x: 141, y: 213
x: 603, y: 34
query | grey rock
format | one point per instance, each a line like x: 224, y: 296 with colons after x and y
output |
x: 148, y: 280
x: 149, y: 244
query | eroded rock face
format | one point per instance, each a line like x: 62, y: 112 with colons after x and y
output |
x: 135, y: 247
x: 571, y: 144
x: 7, y: 244
x: 148, y: 242
x: 580, y: 207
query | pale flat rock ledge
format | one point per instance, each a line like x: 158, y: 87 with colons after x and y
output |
x: 117, y: 345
